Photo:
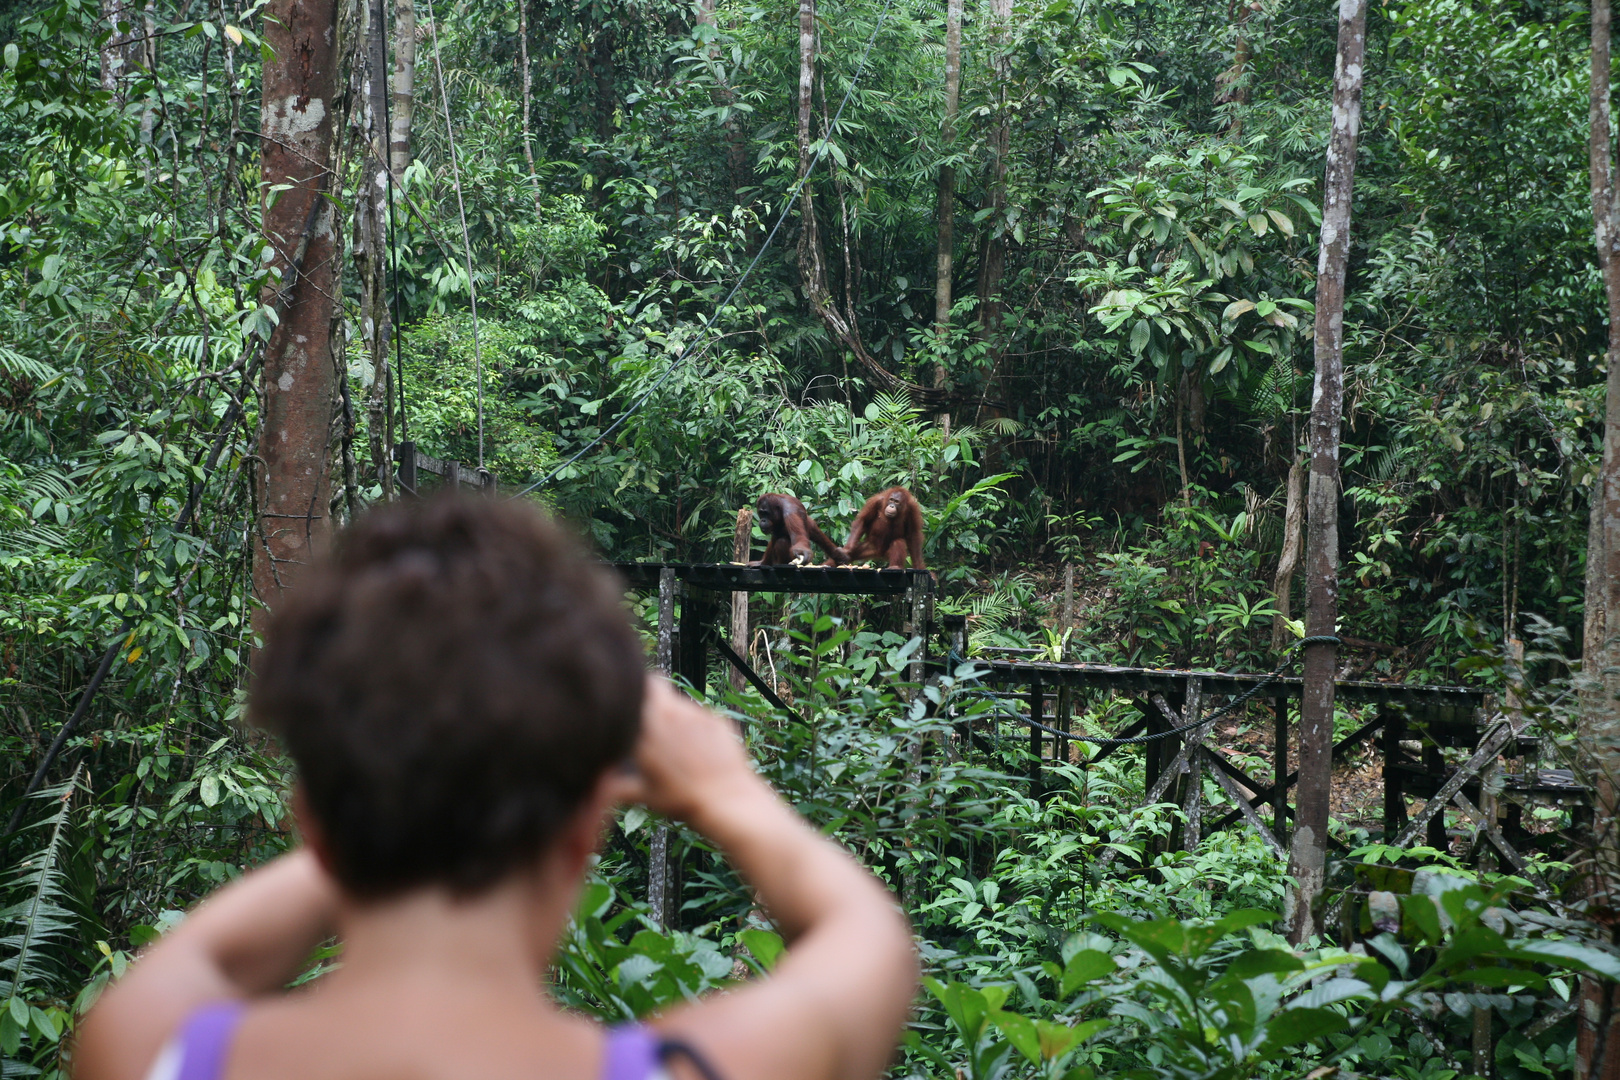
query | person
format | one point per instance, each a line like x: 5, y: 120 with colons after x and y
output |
x: 466, y: 704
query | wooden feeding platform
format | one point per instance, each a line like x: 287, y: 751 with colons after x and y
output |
x: 1415, y: 724
x: 1412, y: 724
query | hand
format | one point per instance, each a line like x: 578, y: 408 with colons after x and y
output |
x: 690, y: 764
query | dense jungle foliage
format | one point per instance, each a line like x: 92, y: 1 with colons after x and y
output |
x: 1127, y: 365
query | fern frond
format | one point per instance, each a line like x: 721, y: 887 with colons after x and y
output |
x: 39, y: 918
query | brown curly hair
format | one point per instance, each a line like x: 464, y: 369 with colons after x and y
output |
x: 451, y: 682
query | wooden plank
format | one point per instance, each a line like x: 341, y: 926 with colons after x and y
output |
x: 1165, y: 681
x: 1486, y: 826
x: 725, y: 577
x: 1488, y: 749
x: 1246, y: 809
x: 742, y: 668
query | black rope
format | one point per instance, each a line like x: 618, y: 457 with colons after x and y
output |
x: 1267, y: 680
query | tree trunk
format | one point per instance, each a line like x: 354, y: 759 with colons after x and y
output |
x: 1288, y: 562
x: 606, y: 81
x: 399, y: 134
x: 1598, y: 1037
x: 1233, y: 82
x: 995, y: 237
x: 1307, y: 856
x: 810, y: 266
x: 811, y: 259
x: 371, y: 239
x: 946, y: 213
x: 528, y: 97
x: 292, y: 475
x: 114, y: 51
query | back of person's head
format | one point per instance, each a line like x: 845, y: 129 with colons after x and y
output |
x: 451, y: 682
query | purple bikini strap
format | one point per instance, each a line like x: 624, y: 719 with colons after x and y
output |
x: 636, y: 1052
x: 205, y: 1040
x: 631, y: 1053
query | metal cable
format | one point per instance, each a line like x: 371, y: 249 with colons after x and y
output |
x: 466, y: 239
x: 787, y: 207
x: 1267, y: 680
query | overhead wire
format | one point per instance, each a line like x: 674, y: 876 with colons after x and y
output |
x: 466, y: 238
x: 706, y: 336
x: 393, y: 247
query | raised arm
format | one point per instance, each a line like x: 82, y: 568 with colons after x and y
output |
x: 249, y: 938
x: 834, y: 1007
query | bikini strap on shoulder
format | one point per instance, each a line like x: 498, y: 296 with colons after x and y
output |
x: 631, y: 1053
x: 204, y: 1041
x: 674, y: 1048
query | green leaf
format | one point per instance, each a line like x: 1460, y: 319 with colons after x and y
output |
x: 1264, y: 962
x: 1570, y: 954
x: 11, y: 55
x: 766, y: 946
x: 1294, y: 1026
x: 1020, y: 1031
x: 208, y: 790
x: 1140, y: 334
x: 1085, y: 966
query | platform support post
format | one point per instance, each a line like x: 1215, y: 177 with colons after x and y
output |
x: 1036, y: 698
x: 918, y: 605
x: 1434, y: 763
x: 658, y: 862
x: 1152, y: 751
x: 1063, y: 708
x: 405, y: 453
x: 741, y: 540
x: 1279, y: 770
x: 1394, y: 783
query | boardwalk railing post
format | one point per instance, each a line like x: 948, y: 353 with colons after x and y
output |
x: 658, y: 897
x: 1394, y: 780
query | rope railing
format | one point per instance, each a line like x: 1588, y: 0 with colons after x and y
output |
x: 956, y: 659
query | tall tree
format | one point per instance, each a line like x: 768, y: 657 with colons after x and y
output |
x: 994, y: 260
x: 1598, y: 1044
x: 947, y: 183
x: 1307, y: 856
x: 293, y: 474
x: 404, y: 98
x: 528, y: 99
x: 371, y: 235
x: 840, y: 320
